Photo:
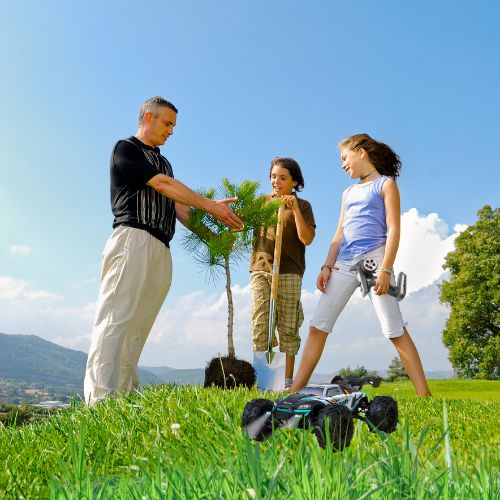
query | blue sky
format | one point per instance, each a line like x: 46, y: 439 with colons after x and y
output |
x: 252, y: 80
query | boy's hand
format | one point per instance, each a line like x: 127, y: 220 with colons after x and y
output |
x: 289, y: 200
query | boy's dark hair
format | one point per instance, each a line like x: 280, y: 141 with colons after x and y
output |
x: 154, y: 104
x: 382, y: 156
x: 293, y: 167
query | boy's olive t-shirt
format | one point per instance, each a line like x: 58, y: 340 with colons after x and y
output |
x: 292, y: 249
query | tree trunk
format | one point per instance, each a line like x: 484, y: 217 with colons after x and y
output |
x: 230, y: 311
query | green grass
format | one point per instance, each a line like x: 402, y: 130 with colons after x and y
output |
x: 126, y: 448
x: 480, y: 390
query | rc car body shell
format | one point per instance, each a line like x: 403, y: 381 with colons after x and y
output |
x: 315, y: 397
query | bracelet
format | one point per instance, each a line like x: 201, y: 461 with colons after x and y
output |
x: 384, y: 270
x: 327, y: 266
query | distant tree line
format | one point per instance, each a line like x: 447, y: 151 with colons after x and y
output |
x: 395, y: 372
x: 24, y: 392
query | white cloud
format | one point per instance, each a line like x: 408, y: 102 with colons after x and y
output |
x: 14, y: 289
x: 423, y: 246
x: 192, y: 329
x: 20, y: 249
x: 195, y: 327
x: 26, y: 310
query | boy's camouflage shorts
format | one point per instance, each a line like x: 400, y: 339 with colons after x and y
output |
x: 288, y: 311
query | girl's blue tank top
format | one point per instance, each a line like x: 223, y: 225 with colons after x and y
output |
x: 364, y: 226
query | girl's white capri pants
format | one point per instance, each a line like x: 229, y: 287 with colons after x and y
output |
x: 342, y: 284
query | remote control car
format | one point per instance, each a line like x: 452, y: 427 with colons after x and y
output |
x: 329, y: 409
x: 367, y: 277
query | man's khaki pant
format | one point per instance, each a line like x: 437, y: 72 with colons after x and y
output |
x: 135, y: 279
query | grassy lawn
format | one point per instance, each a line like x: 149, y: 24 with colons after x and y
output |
x: 480, y: 390
x: 187, y: 442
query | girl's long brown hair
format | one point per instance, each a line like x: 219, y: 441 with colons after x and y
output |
x: 382, y: 156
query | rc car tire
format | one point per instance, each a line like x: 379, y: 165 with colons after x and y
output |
x: 382, y: 414
x: 335, y: 420
x: 253, y: 411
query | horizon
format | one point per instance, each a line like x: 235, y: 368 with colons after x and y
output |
x: 146, y: 367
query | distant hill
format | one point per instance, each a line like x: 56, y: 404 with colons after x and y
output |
x: 27, y: 361
x: 32, y: 359
x: 33, y: 369
x: 183, y: 376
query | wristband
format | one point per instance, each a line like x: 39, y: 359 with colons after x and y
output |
x: 327, y: 266
x: 384, y: 270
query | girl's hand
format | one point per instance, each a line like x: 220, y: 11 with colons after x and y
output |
x: 323, y: 278
x: 382, y: 284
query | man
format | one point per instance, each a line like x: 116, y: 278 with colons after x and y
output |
x: 137, y: 267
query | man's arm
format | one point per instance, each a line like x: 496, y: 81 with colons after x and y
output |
x: 183, y: 213
x: 177, y: 191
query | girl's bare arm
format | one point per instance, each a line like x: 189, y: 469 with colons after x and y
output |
x: 333, y: 251
x: 390, y: 193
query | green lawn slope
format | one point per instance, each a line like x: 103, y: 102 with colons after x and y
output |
x: 480, y: 390
x: 186, y: 442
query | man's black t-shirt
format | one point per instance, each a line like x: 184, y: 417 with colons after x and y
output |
x: 133, y: 202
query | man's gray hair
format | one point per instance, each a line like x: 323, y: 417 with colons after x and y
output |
x: 153, y: 105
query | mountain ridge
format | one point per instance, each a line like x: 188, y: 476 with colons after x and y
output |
x: 33, y: 369
x: 39, y: 369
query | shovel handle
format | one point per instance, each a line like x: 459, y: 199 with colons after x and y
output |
x: 277, y: 253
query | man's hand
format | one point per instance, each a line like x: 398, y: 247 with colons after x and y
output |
x: 222, y: 212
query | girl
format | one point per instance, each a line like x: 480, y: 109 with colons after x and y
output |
x: 369, y: 226
x: 298, y: 231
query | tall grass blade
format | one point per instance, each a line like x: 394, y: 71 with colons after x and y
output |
x: 447, y: 445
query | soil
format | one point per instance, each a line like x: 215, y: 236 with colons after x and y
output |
x: 228, y: 372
